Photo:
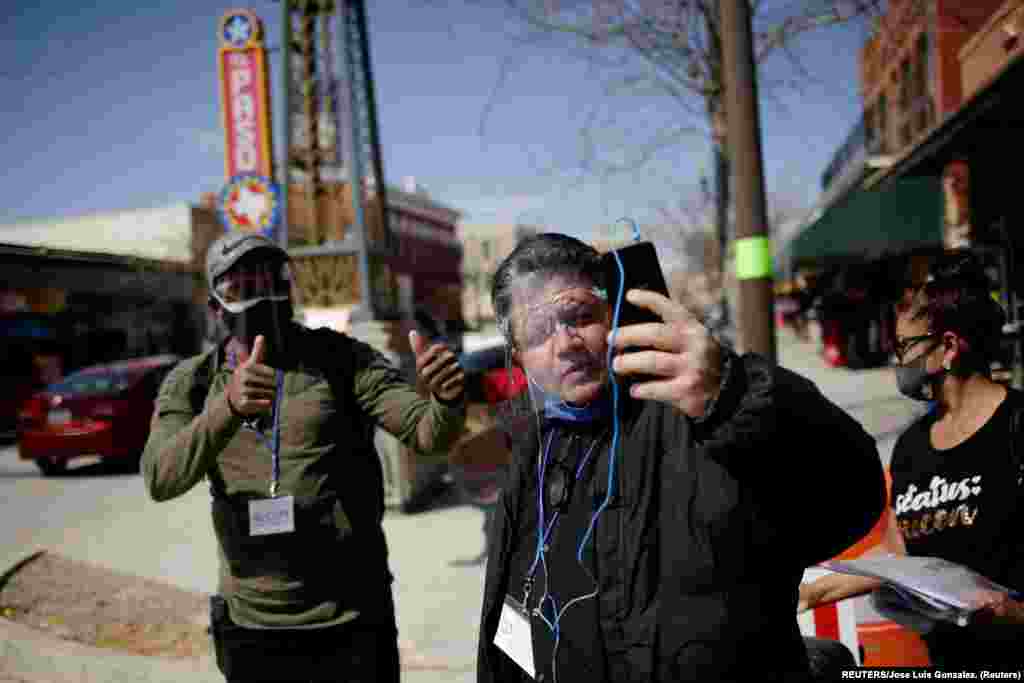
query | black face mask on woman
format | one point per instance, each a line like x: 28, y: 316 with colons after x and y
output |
x: 914, y: 380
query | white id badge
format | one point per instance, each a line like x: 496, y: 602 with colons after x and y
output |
x: 514, y: 636
x: 272, y: 516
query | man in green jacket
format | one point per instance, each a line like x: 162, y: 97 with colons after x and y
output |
x: 280, y: 420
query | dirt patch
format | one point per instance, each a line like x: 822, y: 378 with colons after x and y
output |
x: 98, y: 607
x: 103, y: 608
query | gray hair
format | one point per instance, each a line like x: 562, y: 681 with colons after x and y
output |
x: 546, y: 254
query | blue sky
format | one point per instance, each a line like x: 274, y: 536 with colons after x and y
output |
x: 114, y: 105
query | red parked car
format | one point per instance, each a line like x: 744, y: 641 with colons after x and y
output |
x: 100, y: 410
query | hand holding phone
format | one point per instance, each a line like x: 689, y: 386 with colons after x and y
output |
x: 663, y: 350
x: 640, y: 270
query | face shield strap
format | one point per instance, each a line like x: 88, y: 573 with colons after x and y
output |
x: 239, y: 307
x: 238, y: 291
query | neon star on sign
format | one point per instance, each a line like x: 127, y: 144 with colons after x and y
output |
x: 238, y: 31
x: 239, y: 28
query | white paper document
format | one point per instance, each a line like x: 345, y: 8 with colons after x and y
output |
x: 929, y: 586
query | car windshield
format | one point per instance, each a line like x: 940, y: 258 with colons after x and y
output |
x: 93, y: 381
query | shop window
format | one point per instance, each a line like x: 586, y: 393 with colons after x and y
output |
x: 870, y: 134
x: 883, y: 124
x: 906, y: 86
x: 922, y: 84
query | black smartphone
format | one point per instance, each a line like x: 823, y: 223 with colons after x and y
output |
x: 642, y: 271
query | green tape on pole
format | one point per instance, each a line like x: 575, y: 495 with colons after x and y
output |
x: 753, y: 258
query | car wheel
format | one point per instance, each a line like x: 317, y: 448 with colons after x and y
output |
x: 51, y: 466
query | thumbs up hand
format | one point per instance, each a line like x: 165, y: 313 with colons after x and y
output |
x: 252, y: 387
x: 438, y: 368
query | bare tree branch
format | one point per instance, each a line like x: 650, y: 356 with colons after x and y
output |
x: 650, y: 51
x: 504, y: 67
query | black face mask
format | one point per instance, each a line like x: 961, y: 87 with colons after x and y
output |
x: 267, y: 318
x: 915, y: 382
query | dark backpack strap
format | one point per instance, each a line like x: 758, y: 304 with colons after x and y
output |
x: 202, y: 379
x: 1015, y: 435
x: 333, y: 360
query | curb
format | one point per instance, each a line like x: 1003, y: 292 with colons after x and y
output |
x: 37, y: 656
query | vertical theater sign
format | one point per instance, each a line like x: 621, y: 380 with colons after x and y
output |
x: 250, y: 200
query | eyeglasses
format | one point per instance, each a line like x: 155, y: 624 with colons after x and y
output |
x: 544, y: 323
x: 901, y: 346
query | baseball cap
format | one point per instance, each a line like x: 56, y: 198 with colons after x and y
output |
x: 229, y: 248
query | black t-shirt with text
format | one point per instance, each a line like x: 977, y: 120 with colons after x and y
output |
x: 964, y: 504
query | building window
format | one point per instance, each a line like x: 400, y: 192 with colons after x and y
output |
x: 922, y: 90
x: 870, y: 132
x: 906, y: 86
x: 883, y: 123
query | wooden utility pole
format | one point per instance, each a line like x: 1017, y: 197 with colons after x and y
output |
x: 753, y: 246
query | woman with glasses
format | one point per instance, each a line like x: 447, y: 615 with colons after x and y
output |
x: 667, y: 493
x: 957, y: 472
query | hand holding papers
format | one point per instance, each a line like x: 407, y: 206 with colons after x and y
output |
x: 919, y: 591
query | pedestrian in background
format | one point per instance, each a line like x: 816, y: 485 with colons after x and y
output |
x: 957, y: 490
x: 279, y: 420
x: 662, y: 538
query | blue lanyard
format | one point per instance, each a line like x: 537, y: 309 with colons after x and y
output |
x: 542, y: 533
x: 274, y: 443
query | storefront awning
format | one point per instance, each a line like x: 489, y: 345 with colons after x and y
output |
x: 868, y: 224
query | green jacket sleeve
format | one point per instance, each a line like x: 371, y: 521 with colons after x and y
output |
x: 182, y: 445
x: 426, y: 425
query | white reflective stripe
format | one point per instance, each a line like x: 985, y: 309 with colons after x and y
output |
x: 242, y: 306
x: 844, y: 612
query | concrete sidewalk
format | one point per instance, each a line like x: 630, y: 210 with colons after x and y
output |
x: 871, y: 396
x: 437, y: 598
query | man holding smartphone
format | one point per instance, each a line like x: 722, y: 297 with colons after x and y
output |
x: 279, y: 419
x: 657, y: 528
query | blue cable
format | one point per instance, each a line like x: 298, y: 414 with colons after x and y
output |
x: 615, y: 413
x: 636, y: 233
x: 554, y: 627
x: 542, y: 537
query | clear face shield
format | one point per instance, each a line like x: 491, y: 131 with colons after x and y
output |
x: 256, y: 301
x: 238, y: 291
x: 558, y: 331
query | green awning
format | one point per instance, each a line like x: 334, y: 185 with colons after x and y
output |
x: 870, y: 223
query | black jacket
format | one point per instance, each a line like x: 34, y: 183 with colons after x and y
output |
x: 706, y: 540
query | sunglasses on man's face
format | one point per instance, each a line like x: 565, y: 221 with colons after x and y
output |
x: 558, y: 483
x: 902, y: 346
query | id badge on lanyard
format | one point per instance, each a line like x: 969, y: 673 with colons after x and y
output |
x: 514, y: 636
